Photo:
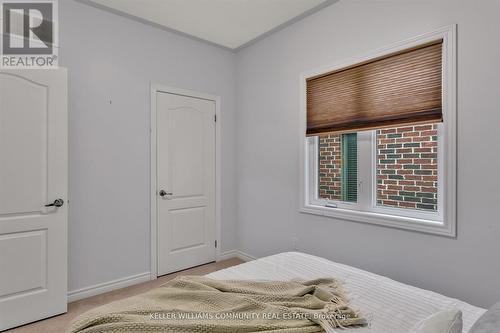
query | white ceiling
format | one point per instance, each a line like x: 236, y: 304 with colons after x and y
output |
x: 229, y: 23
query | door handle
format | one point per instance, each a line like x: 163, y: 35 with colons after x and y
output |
x: 56, y: 203
x: 163, y: 194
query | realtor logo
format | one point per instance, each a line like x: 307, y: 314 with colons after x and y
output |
x: 29, y: 34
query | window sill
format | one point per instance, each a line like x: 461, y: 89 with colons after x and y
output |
x: 393, y: 221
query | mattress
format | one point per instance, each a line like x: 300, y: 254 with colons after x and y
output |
x: 390, y: 306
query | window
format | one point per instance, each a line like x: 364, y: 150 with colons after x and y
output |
x: 396, y: 171
x: 407, y: 167
x: 380, y: 144
x: 338, y: 171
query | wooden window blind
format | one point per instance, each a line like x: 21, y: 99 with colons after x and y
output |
x: 394, y: 90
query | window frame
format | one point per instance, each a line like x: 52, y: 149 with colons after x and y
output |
x: 366, y: 209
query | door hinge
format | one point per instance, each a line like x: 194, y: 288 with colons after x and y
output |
x: 215, y: 118
x: 216, y: 243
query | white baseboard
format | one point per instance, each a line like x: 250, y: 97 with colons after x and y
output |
x: 228, y: 255
x: 105, y: 287
x: 245, y: 256
x: 236, y: 254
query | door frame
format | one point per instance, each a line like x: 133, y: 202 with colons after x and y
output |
x: 160, y: 88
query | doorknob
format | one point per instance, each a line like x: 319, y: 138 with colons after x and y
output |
x: 56, y: 203
x: 162, y: 193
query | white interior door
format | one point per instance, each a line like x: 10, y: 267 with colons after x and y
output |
x: 33, y: 173
x: 185, y: 181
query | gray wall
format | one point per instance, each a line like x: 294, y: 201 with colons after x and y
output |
x: 268, y: 150
x: 111, y: 58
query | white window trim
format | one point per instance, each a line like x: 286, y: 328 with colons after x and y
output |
x: 444, y: 222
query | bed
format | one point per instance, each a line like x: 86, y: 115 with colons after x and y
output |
x: 377, y: 297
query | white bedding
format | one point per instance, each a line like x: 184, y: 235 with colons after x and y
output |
x: 393, y: 307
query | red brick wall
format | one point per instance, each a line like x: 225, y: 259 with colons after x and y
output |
x: 406, y: 167
x: 329, y: 167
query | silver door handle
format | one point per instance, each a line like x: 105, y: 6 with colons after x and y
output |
x: 56, y: 203
x: 162, y: 193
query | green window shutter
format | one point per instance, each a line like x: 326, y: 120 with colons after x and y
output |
x: 350, y: 167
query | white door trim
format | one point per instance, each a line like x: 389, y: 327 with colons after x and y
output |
x: 156, y: 88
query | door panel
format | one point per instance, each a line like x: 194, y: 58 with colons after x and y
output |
x: 186, y: 172
x: 190, y: 224
x: 23, y: 145
x: 186, y: 151
x: 26, y: 271
x: 33, y: 173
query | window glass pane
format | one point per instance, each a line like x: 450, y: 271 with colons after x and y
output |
x: 407, y: 166
x: 338, y: 167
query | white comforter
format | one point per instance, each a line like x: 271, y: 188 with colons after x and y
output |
x: 391, y: 306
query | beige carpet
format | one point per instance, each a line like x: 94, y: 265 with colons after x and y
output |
x: 58, y: 324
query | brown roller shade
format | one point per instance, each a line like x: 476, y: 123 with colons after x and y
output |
x: 394, y: 90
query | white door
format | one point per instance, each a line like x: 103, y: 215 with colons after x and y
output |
x: 33, y: 173
x: 185, y: 181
